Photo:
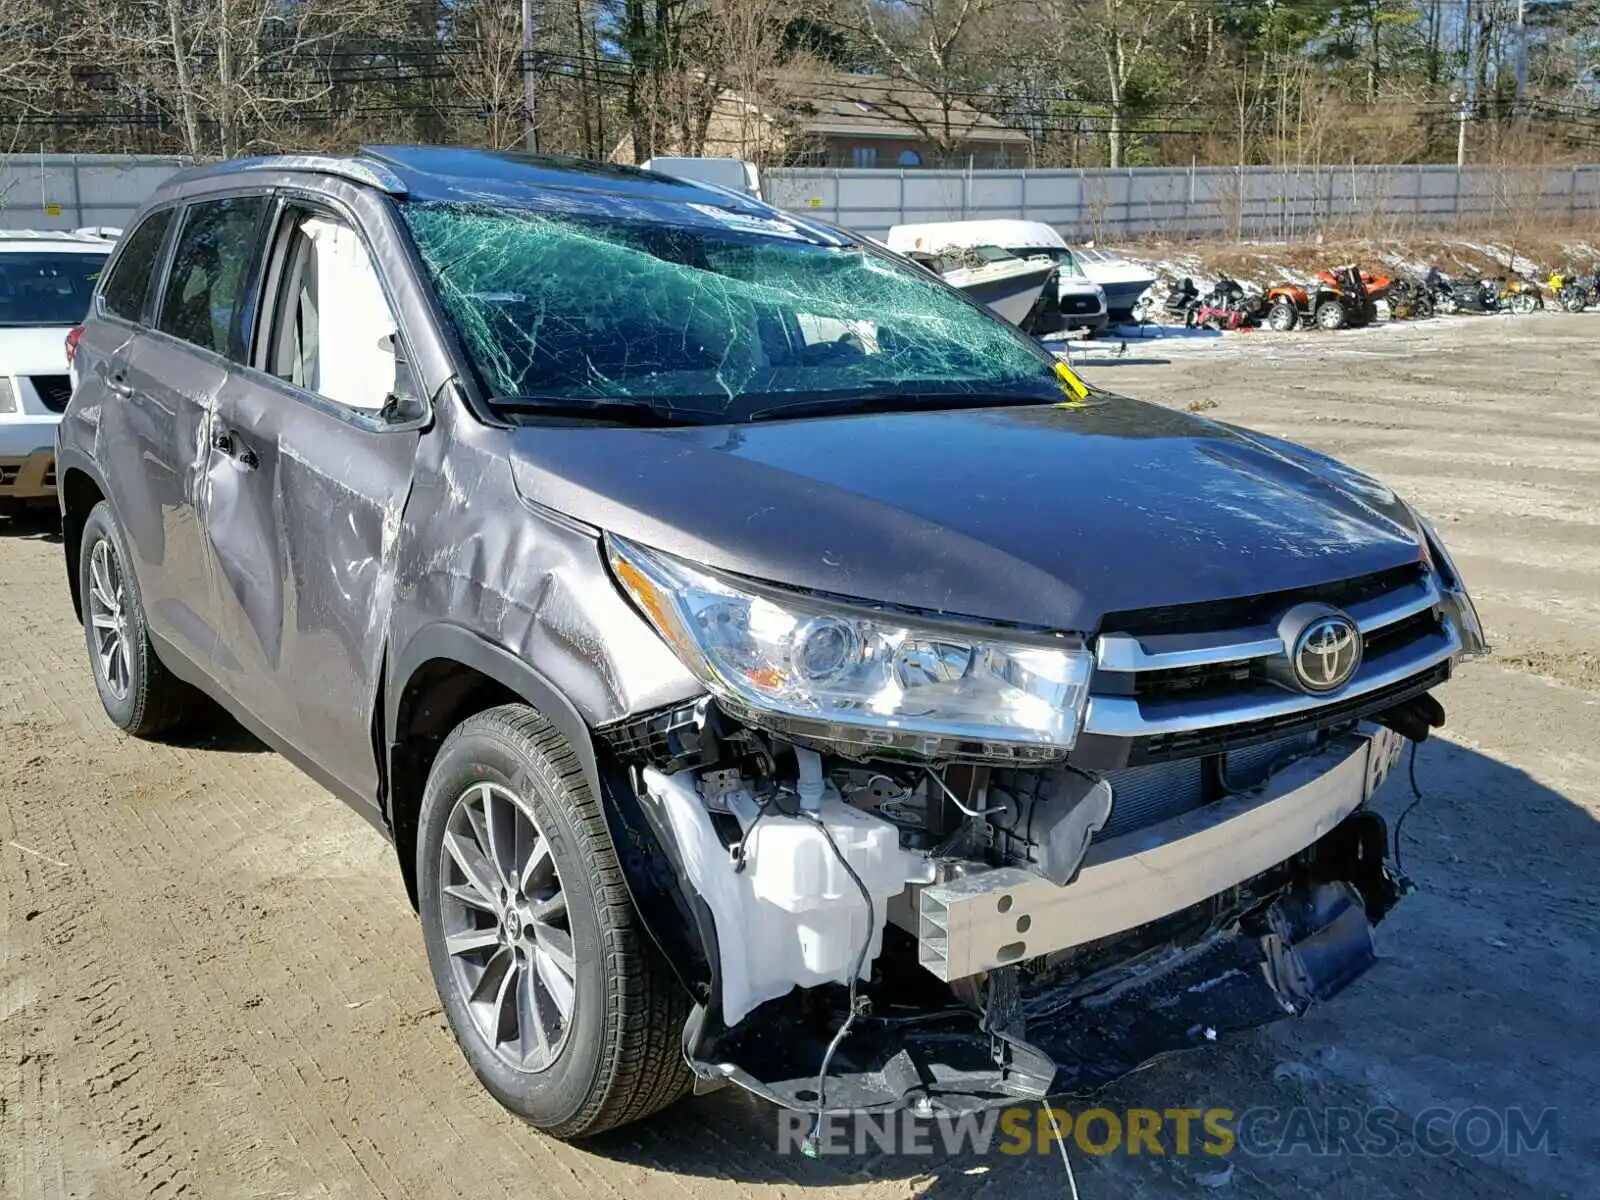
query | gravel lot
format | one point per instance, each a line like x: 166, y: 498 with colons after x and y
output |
x: 211, y: 984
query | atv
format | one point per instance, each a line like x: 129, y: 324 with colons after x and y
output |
x: 1337, y: 299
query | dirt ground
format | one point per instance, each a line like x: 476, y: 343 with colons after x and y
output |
x: 211, y: 984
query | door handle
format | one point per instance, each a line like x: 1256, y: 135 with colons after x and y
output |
x: 231, y: 446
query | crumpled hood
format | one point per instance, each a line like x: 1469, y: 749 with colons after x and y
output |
x: 1048, y: 516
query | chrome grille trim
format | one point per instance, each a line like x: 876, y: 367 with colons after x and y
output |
x: 1122, y: 652
x: 1125, y: 716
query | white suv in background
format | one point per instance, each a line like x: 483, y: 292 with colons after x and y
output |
x: 46, y: 280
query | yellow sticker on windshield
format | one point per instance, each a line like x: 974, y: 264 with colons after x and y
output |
x: 1071, y: 385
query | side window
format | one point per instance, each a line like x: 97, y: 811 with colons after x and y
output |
x: 124, y: 290
x: 333, y: 331
x: 210, y: 269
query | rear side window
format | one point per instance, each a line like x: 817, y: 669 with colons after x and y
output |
x: 211, y: 267
x: 124, y: 292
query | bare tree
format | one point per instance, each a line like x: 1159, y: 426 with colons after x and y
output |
x: 940, y: 50
x: 1126, y: 36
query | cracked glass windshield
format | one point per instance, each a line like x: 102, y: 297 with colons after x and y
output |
x: 718, y: 317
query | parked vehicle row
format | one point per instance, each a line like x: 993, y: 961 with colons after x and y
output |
x: 1349, y: 297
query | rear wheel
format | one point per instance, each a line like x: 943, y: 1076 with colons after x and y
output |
x: 1572, y: 300
x: 1522, y: 304
x: 138, y: 693
x: 562, y: 1005
x: 1282, y: 317
x: 1331, y: 314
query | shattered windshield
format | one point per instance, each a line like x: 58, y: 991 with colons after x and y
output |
x: 720, y: 317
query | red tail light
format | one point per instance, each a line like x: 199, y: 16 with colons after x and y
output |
x: 74, y: 336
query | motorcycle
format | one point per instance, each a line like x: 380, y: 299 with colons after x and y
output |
x: 1520, y: 295
x: 1575, y: 292
x: 1228, y: 306
x: 1409, y: 300
x: 1468, y: 295
x: 1175, y: 308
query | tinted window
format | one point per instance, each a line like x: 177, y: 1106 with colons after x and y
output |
x: 46, y: 287
x: 125, y: 291
x: 210, y: 270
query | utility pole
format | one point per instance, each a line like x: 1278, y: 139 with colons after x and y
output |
x: 530, y: 128
x: 1522, y: 48
x: 1469, y: 35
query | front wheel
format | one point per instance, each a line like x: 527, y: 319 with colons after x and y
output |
x: 1572, y: 301
x: 563, y: 1006
x: 1331, y: 315
x: 1283, y: 317
x: 1522, y: 304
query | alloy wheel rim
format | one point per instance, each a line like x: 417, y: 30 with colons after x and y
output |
x: 507, y: 930
x: 108, y: 619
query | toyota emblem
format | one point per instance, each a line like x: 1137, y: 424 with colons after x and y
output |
x: 1326, y: 653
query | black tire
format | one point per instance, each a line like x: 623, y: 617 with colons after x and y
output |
x: 621, y: 1055
x: 1331, y: 314
x: 1572, y: 301
x: 1282, y: 318
x: 154, y: 701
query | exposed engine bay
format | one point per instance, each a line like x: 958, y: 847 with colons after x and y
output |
x: 959, y: 934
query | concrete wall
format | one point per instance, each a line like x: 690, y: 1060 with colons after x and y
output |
x: 68, y: 191
x: 1255, y: 202
x: 65, y: 191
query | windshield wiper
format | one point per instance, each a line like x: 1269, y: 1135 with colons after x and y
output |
x: 647, y: 413
x: 890, y: 402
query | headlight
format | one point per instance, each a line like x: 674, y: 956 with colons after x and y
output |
x: 858, y: 677
x: 1456, y: 600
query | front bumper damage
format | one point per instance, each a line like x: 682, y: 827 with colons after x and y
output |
x: 988, y: 984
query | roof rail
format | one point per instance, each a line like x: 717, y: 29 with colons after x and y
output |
x: 358, y: 170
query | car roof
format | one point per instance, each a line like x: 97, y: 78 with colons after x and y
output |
x: 16, y: 240
x: 466, y: 174
x: 506, y: 178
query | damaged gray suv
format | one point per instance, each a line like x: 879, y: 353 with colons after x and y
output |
x: 770, y: 667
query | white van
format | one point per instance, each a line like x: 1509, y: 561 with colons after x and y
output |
x: 732, y: 173
x: 1081, y: 301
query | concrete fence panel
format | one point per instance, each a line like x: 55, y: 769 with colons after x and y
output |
x: 64, y: 191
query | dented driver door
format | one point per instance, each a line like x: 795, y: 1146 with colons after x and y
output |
x: 311, y: 464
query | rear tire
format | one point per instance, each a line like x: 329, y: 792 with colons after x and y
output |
x: 139, y: 694
x: 614, y: 1054
x: 1283, y: 317
x: 1331, y: 314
